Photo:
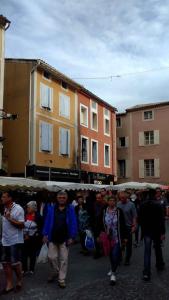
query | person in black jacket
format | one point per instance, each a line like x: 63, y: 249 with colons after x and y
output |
x: 116, y: 230
x: 152, y: 223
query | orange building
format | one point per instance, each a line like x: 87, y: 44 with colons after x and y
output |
x: 97, y: 139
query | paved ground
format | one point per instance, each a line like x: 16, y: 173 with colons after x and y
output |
x: 87, y: 280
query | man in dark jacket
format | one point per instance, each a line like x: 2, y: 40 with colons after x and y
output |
x: 59, y: 230
x: 152, y: 222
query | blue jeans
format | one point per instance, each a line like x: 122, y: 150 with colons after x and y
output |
x: 147, y: 254
x: 115, y: 256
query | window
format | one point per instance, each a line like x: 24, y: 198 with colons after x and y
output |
x: 149, y: 167
x: 83, y: 115
x: 46, y: 95
x: 84, y: 150
x: 149, y: 137
x: 118, y: 122
x: 46, y: 75
x: 106, y: 122
x: 122, y: 168
x: 106, y: 155
x: 64, y: 105
x: 64, y: 138
x: 122, y: 142
x: 148, y: 115
x: 94, y: 116
x: 94, y: 152
x: 64, y: 85
x: 46, y: 137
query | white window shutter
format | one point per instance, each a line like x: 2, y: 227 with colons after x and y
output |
x: 44, y: 137
x: 68, y: 131
x: 128, y: 170
x: 157, y: 167
x: 141, y: 138
x: 127, y: 141
x: 64, y: 141
x: 50, y: 137
x: 156, y: 137
x: 64, y: 105
x: 50, y: 97
x: 141, y: 168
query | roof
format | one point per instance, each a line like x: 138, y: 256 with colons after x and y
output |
x: 80, y: 88
x: 147, y: 106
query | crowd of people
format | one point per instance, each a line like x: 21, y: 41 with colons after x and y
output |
x: 111, y: 218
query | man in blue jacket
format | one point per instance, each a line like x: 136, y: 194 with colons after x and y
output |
x: 60, y: 229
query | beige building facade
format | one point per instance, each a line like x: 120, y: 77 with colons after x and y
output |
x: 143, y: 144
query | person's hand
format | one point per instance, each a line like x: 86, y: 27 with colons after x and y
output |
x: 69, y: 242
x: 7, y: 215
x: 133, y: 229
x: 45, y: 239
x: 162, y: 237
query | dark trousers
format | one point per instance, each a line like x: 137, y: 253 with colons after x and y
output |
x: 29, y: 253
x: 129, y: 244
x: 115, y: 257
x: 147, y: 254
x: 82, y: 236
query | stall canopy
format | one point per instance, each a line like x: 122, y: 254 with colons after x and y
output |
x: 54, y: 186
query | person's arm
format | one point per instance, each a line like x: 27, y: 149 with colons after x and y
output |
x: 134, y: 213
x: 17, y: 223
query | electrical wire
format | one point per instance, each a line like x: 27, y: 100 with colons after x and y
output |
x: 121, y: 75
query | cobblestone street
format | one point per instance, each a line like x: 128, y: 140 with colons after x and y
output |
x: 88, y: 280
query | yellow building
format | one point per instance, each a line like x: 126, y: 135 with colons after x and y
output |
x: 4, y: 24
x: 43, y: 141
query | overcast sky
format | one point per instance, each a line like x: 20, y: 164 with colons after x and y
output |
x: 96, y: 38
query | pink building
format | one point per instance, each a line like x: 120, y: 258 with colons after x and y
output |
x: 143, y: 143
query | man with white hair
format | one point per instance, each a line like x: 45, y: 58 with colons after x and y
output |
x: 59, y: 230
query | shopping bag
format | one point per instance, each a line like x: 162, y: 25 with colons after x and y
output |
x: 105, y: 243
x: 43, y: 255
x: 89, y: 241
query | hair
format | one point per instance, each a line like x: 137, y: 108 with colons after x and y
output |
x: 112, y: 198
x: 9, y: 193
x: 62, y: 193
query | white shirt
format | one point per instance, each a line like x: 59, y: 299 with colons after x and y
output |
x: 12, y: 235
x: 30, y: 228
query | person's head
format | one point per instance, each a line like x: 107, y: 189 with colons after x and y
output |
x: 111, y: 201
x: 62, y: 198
x: 103, y: 192
x: 80, y: 200
x: 99, y: 197
x: 123, y: 196
x: 31, y: 207
x: 7, y: 198
x: 158, y: 193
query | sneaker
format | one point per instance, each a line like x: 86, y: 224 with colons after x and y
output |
x: 62, y: 284
x: 146, y: 277
x: 113, y: 279
x: 109, y: 273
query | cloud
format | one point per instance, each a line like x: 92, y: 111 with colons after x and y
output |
x: 96, y: 38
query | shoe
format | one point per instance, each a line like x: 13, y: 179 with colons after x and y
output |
x: 146, y: 277
x: 31, y: 272
x: 5, y: 291
x: 62, y: 284
x: 109, y: 273
x: 113, y: 279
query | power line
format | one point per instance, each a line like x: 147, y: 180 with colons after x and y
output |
x: 121, y: 75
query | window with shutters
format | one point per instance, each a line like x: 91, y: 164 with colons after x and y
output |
x: 46, y: 137
x: 122, y: 168
x: 149, y: 137
x: 46, y: 96
x: 84, y: 149
x: 106, y: 122
x: 94, y: 152
x: 149, y: 168
x: 64, y: 141
x: 94, y: 115
x: 148, y: 115
x: 83, y: 115
x: 106, y: 155
x: 64, y: 105
x: 118, y: 122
